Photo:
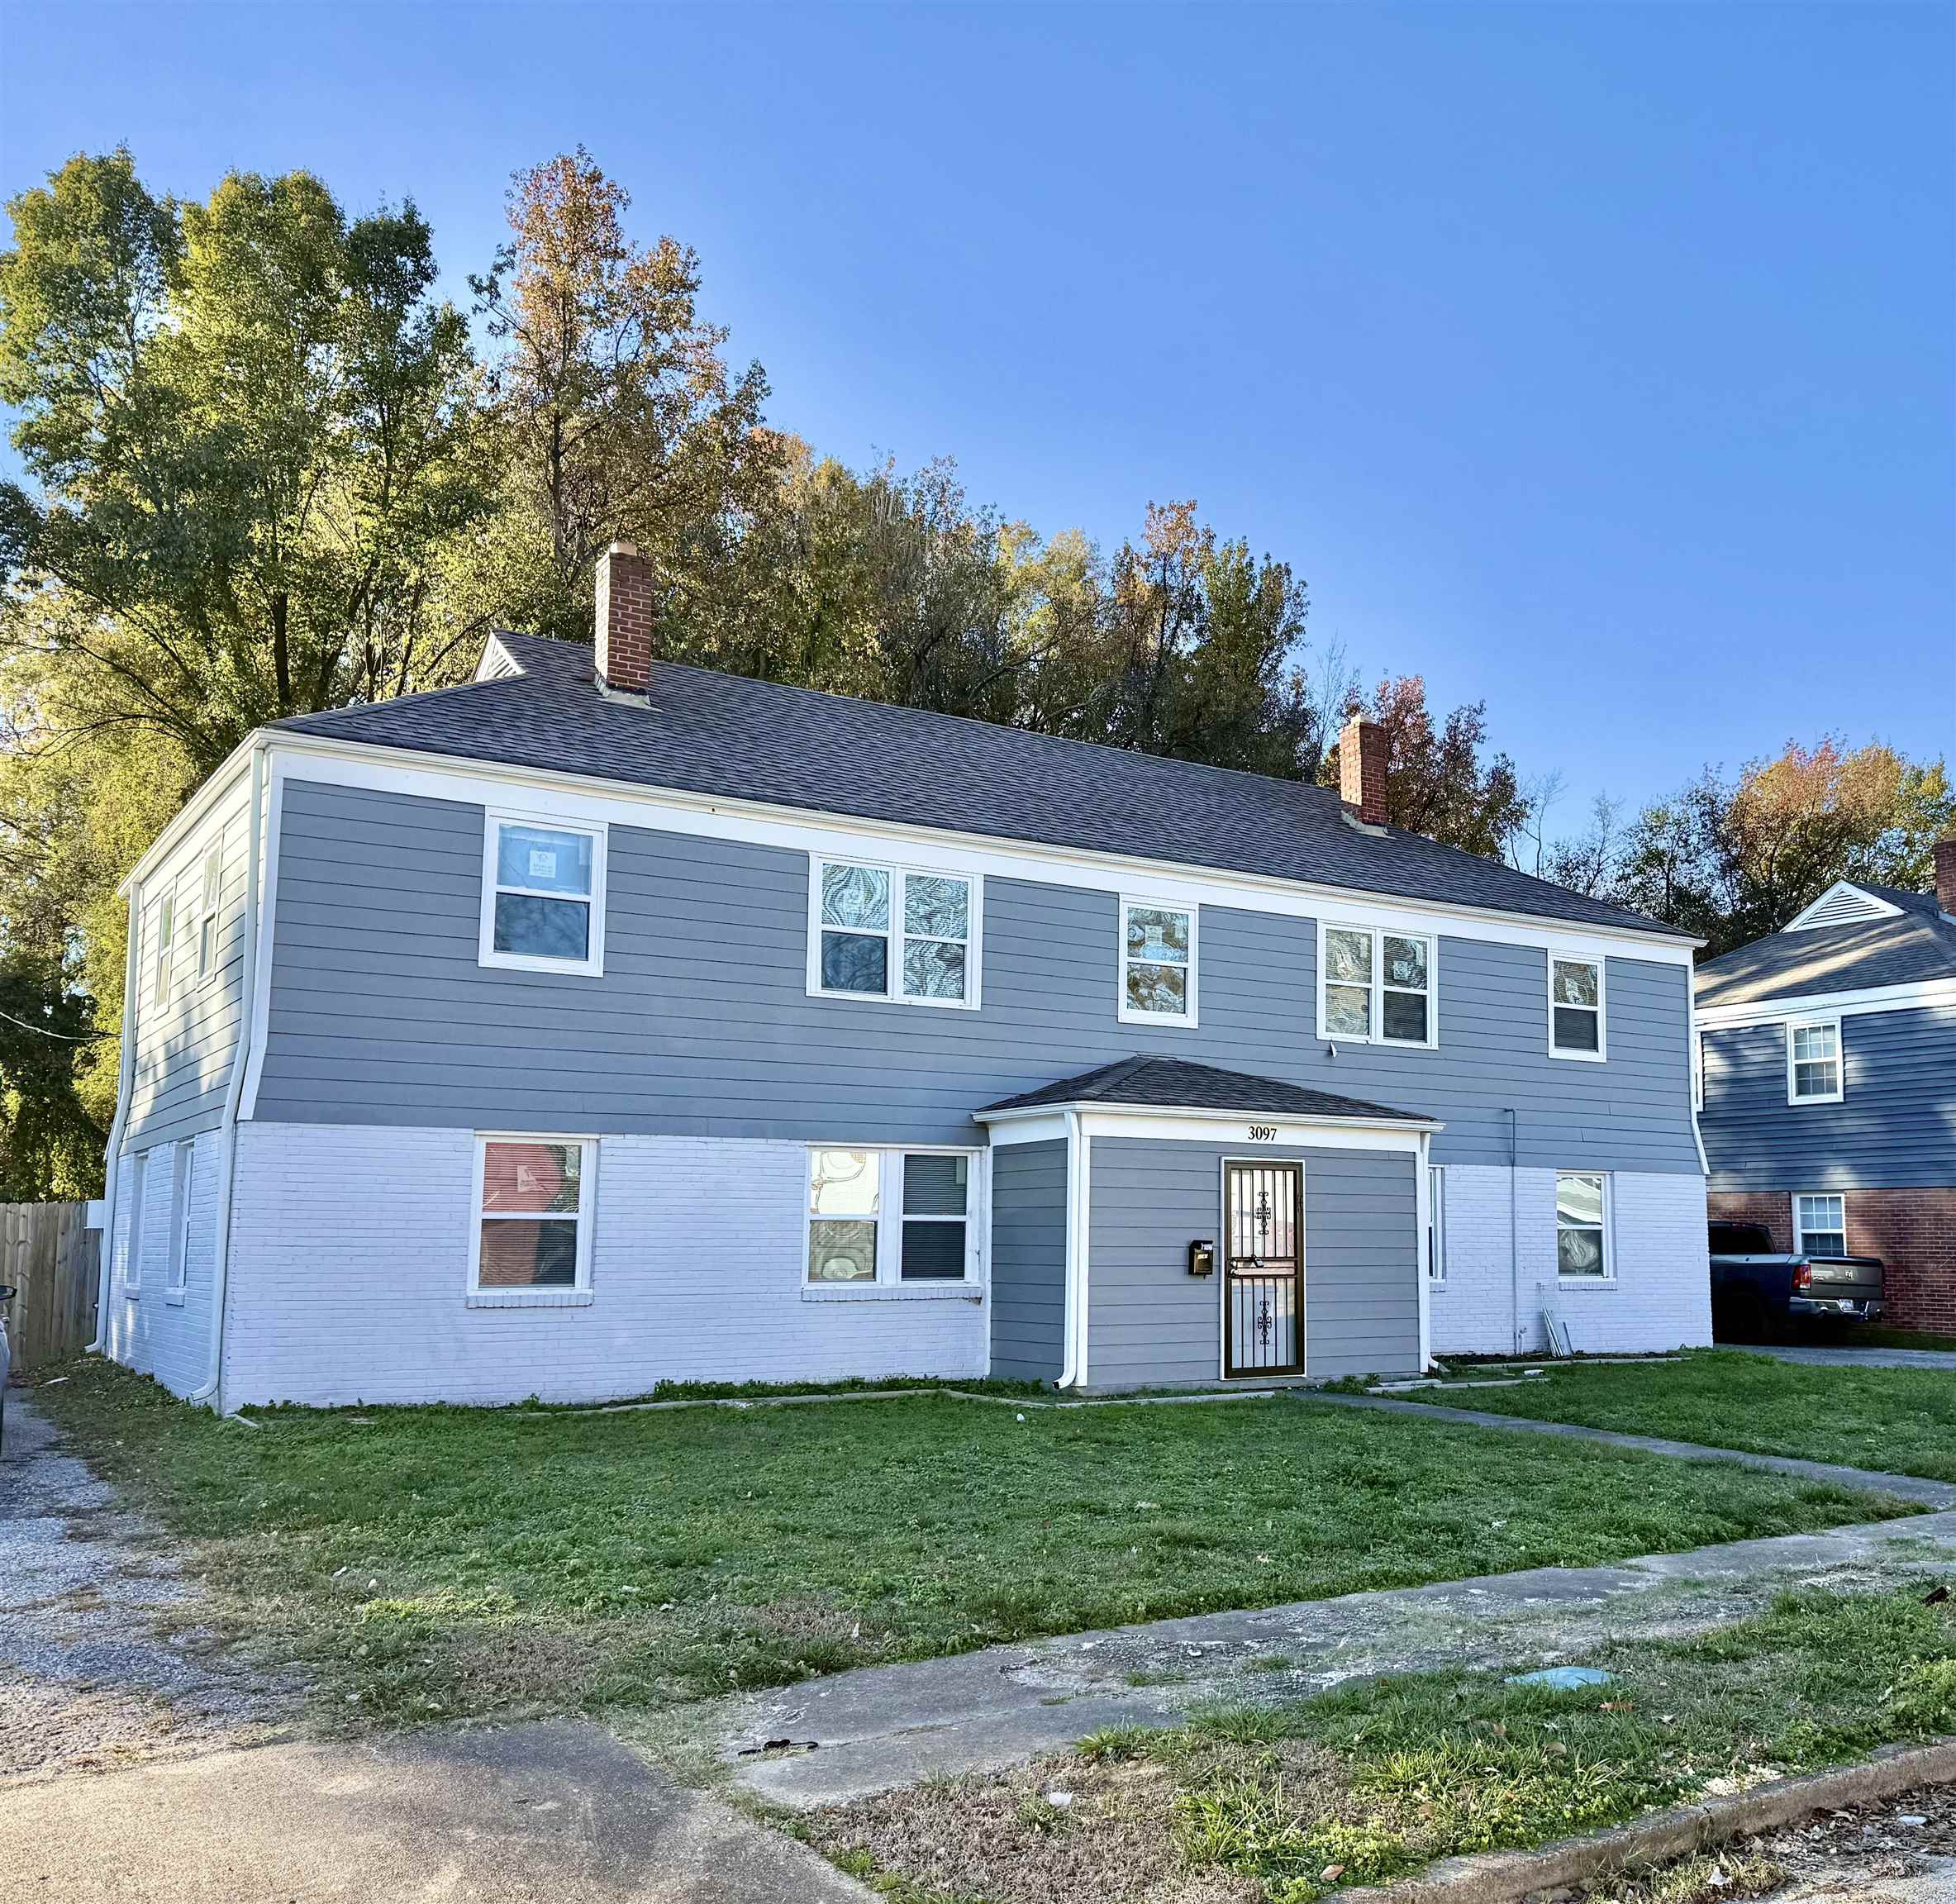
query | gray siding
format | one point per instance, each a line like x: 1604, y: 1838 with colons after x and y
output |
x: 1149, y: 1320
x: 1895, y: 1127
x: 701, y: 1024
x: 1028, y: 1260
x: 183, y: 1050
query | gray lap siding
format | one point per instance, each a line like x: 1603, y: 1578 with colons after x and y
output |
x: 1894, y: 1128
x: 1149, y: 1320
x: 701, y: 1024
x: 1028, y: 1260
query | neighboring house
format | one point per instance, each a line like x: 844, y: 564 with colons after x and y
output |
x: 1828, y: 1079
x: 558, y: 1035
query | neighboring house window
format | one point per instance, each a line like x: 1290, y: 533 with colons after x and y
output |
x: 892, y: 932
x: 532, y: 1213
x: 1158, y: 963
x: 182, y: 1180
x: 1436, y: 1223
x: 1813, y: 1062
x: 1376, y: 986
x: 166, y: 934
x: 1819, y: 1225
x: 132, y: 1241
x: 1576, y: 1008
x: 889, y: 1217
x: 543, y: 895
x: 1581, y: 1224
x: 207, y: 916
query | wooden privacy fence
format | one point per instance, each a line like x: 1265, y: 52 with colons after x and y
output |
x: 52, y: 1257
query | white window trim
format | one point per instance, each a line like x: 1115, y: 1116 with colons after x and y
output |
x: 890, y: 1220
x: 1375, y: 1033
x: 131, y: 1279
x: 1838, y: 1197
x: 1127, y: 1014
x: 1609, y: 1274
x: 554, y: 1297
x: 897, y: 872
x: 210, y: 909
x: 1436, y: 1224
x: 163, y: 953
x: 183, y: 1181
x: 592, y: 966
x: 1825, y: 1020
x: 1602, y: 1052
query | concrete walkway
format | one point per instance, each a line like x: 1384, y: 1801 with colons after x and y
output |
x: 854, y: 1734
x: 561, y: 1813
x: 1846, y: 1356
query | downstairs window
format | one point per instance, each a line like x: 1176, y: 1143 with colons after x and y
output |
x: 889, y: 1217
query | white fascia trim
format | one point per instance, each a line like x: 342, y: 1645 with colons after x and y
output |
x: 1877, y: 908
x: 1032, y: 1123
x: 443, y: 776
x: 184, y: 821
x: 1927, y: 992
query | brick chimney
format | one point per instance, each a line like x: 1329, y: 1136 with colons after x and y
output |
x: 1362, y: 770
x: 1945, y: 874
x: 625, y: 618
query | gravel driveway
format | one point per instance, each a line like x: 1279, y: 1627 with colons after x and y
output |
x: 101, y: 1663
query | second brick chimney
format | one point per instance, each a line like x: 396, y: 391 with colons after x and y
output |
x: 1945, y: 874
x: 625, y: 616
x: 1362, y: 770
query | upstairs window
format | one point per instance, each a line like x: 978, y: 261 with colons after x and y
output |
x: 889, y: 1217
x: 543, y: 895
x: 1576, y: 1008
x: 1376, y: 986
x: 892, y: 932
x: 207, y: 912
x: 1158, y: 963
x: 166, y: 949
x: 1819, y: 1225
x: 1813, y: 1062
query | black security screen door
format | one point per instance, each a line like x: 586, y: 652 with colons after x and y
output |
x: 1263, y: 1293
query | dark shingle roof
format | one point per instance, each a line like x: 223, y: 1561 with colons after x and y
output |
x: 1918, y: 946
x: 726, y: 737
x: 1175, y: 1084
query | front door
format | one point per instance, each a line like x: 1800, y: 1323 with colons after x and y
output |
x: 1262, y: 1294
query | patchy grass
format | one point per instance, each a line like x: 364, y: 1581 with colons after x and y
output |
x: 442, y: 1561
x: 1897, y: 1421
x: 1364, y: 1785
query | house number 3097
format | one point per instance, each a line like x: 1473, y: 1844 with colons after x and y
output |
x: 1263, y: 1133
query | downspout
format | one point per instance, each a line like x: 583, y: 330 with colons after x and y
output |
x: 247, y: 992
x: 1515, y: 1225
x: 105, y: 1276
x: 1070, y: 1361
x: 1427, y: 1242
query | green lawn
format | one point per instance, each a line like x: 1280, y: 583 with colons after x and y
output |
x: 1895, y: 1421
x: 1363, y: 1785
x: 457, y: 1560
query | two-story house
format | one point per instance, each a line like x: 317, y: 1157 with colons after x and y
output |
x: 599, y: 1023
x: 1827, y: 1073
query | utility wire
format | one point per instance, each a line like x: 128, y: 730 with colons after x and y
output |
x: 66, y: 1037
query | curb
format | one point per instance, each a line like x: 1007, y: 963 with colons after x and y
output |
x: 1499, y: 1877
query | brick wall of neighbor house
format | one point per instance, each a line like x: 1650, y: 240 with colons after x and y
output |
x: 349, y: 1255
x: 1773, y: 1208
x: 1659, y: 1298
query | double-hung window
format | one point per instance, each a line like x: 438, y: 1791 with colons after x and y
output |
x: 531, y: 1239
x: 1158, y: 963
x: 901, y: 933
x: 165, y: 949
x: 1376, y: 986
x: 206, y: 912
x: 181, y: 1182
x: 1576, y: 1027
x: 1819, y: 1225
x: 132, y: 1234
x: 1436, y: 1223
x: 543, y: 894
x: 1582, y: 1225
x: 889, y: 1217
x: 1813, y: 1062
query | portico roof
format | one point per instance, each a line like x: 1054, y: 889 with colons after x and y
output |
x: 1147, y: 1082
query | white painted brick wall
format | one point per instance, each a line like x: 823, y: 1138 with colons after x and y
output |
x: 349, y: 1252
x: 152, y: 1333
x: 1659, y: 1298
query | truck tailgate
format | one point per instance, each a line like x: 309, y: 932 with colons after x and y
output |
x: 1845, y: 1279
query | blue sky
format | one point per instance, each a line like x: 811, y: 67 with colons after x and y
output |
x: 1599, y: 361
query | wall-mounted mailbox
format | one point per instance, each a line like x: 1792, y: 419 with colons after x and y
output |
x: 1201, y: 1258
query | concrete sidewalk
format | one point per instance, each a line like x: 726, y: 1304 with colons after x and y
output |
x: 557, y: 1814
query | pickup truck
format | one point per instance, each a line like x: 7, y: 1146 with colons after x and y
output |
x: 1756, y: 1289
